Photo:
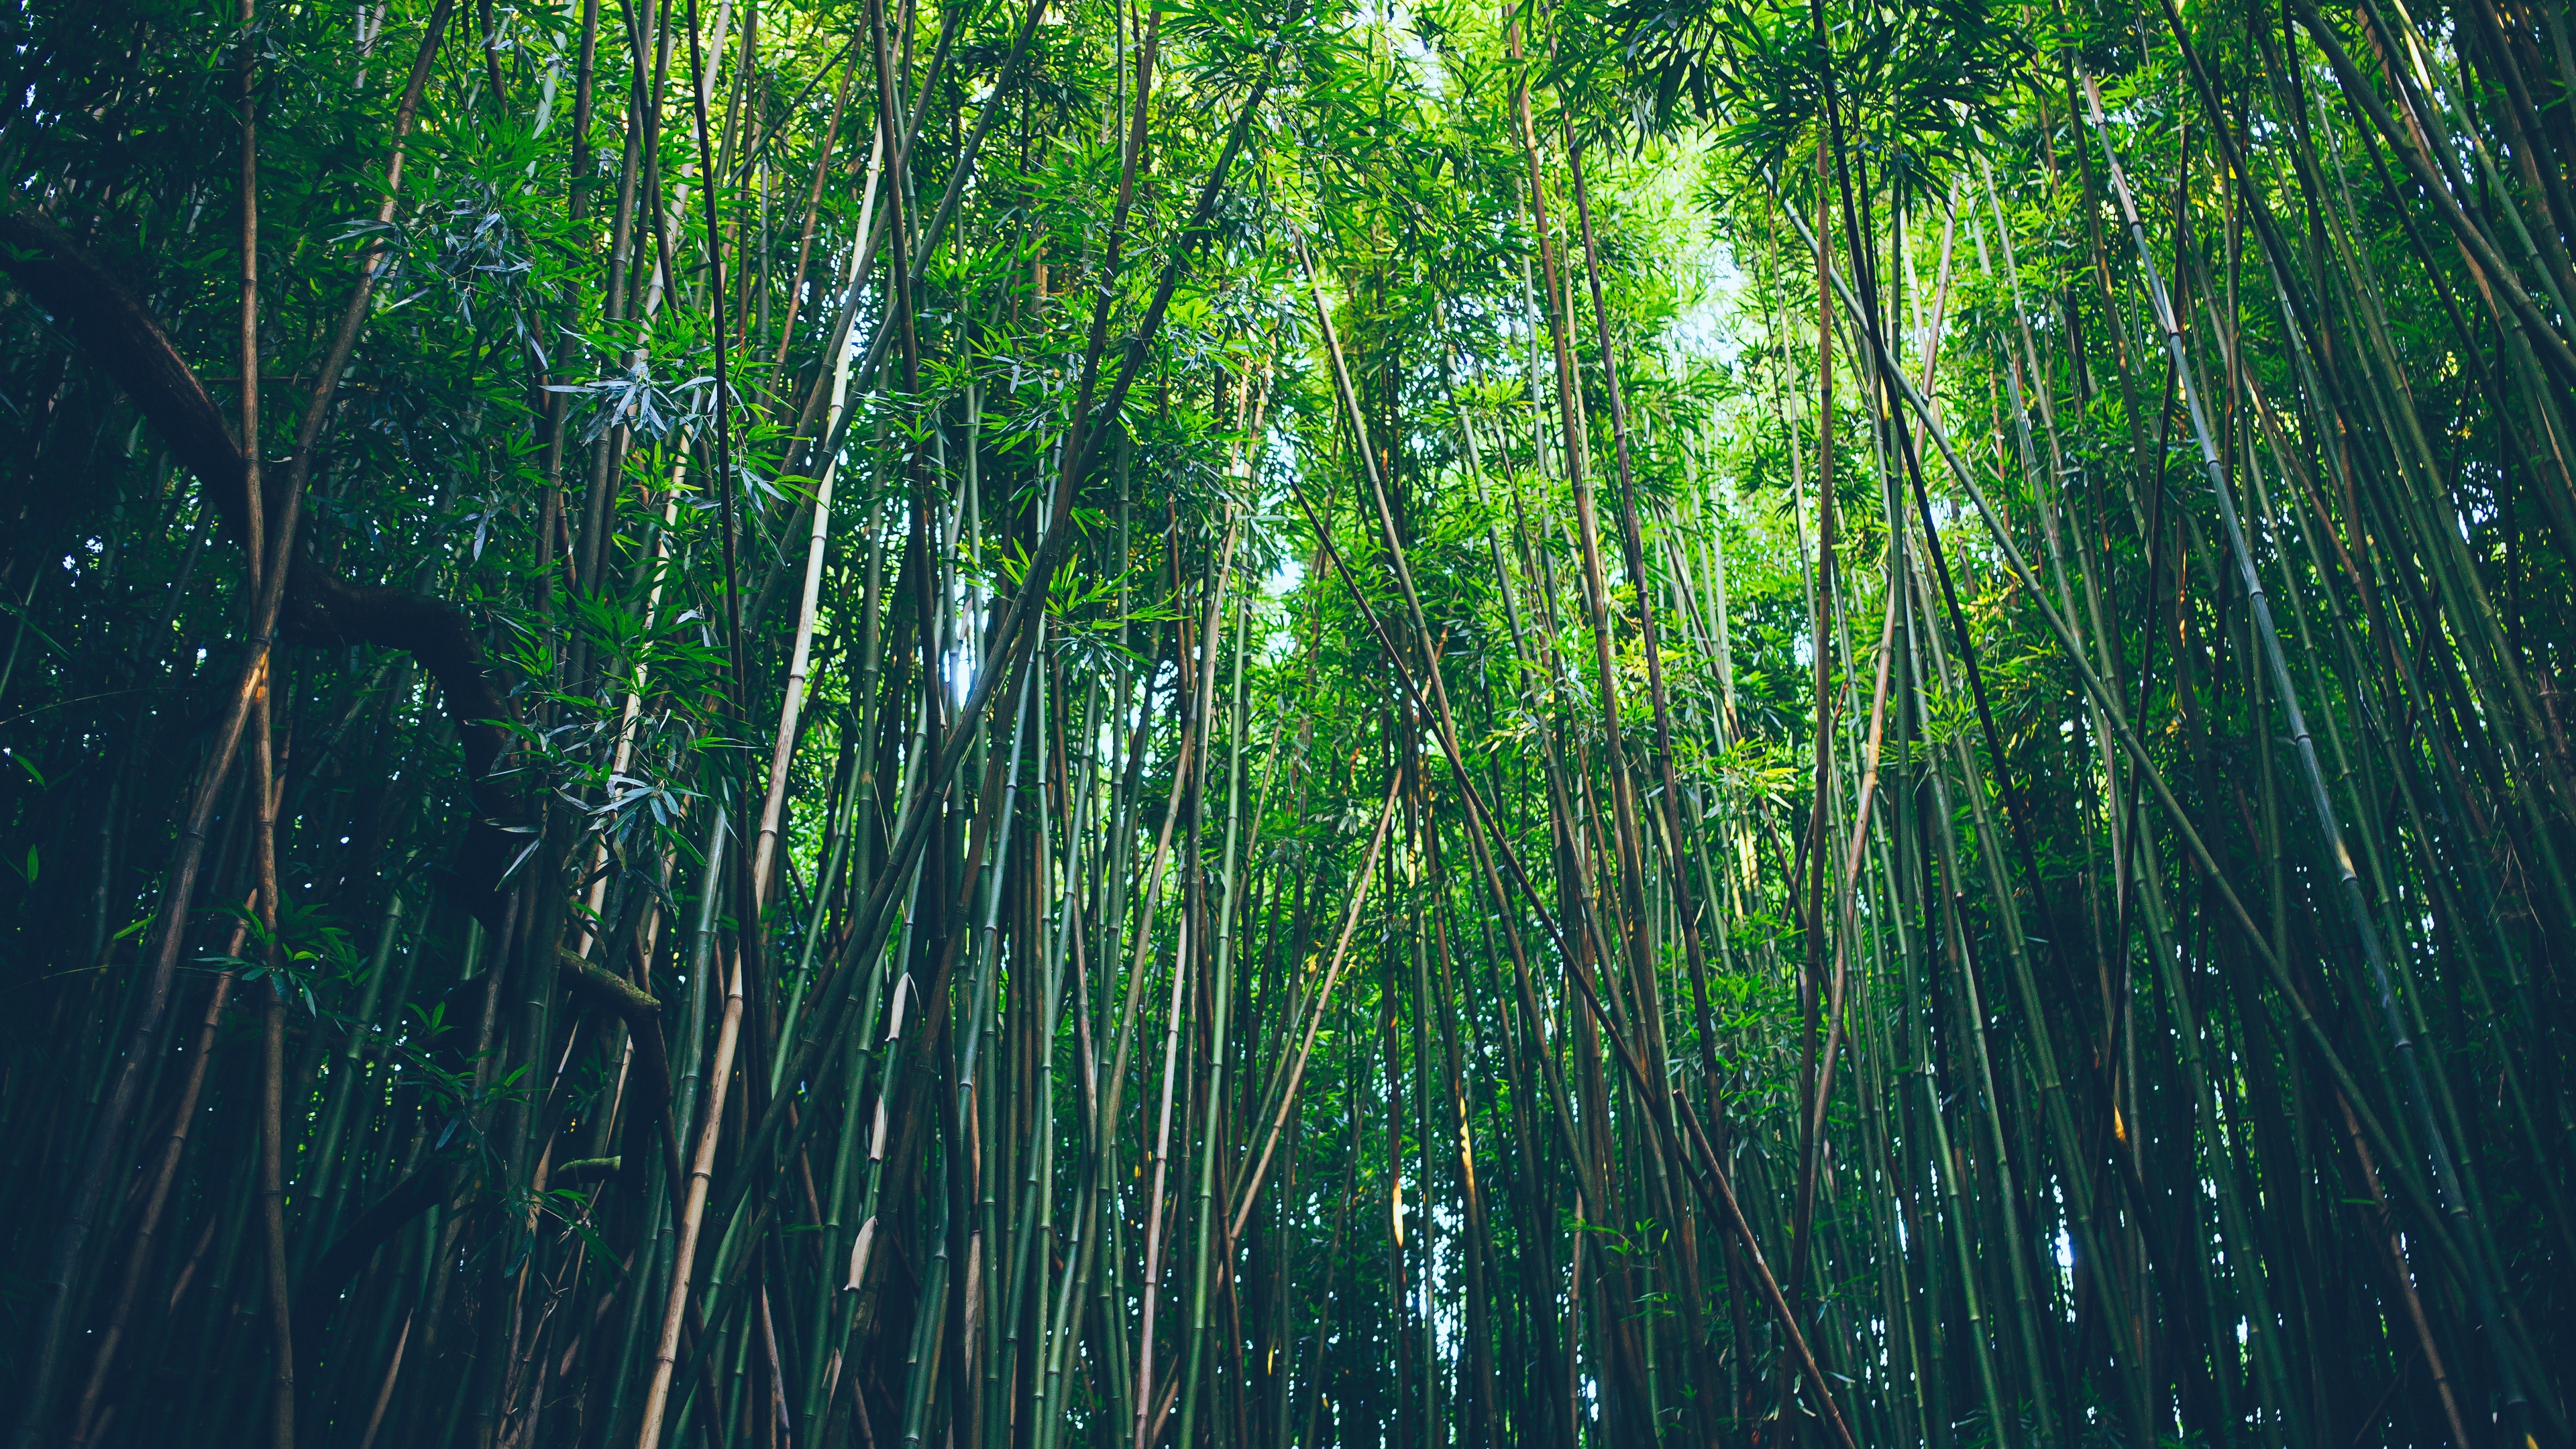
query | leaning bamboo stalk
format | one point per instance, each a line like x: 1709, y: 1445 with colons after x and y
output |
x: 1435, y: 703
x: 385, y: 1393
x: 2535, y: 324
x: 1595, y: 1010
x: 2008, y: 1198
x: 1036, y: 1217
x: 139, y: 1256
x: 693, y: 1207
x: 1812, y: 1125
x: 1732, y: 1210
x: 2110, y: 706
x: 814, y: 203
x: 1194, y: 747
x: 348, y: 1075
x: 71, y: 1239
x: 774, y: 800
x: 1007, y: 633
x: 1816, y: 1059
x: 1146, y: 1418
x: 2436, y: 1141
x: 1666, y: 788
x: 1186, y: 755
x: 1248, y: 1191
x: 624, y: 752
x: 1240, y: 842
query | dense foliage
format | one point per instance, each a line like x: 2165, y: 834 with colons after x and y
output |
x: 1254, y: 722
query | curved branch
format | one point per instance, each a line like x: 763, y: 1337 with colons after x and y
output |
x: 607, y: 990
x: 323, y: 610
x: 119, y: 334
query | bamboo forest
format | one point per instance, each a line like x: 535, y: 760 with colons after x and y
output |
x: 1230, y: 724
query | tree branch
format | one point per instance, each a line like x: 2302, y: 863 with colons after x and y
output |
x: 119, y: 334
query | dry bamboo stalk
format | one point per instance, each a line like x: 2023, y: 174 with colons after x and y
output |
x: 693, y: 1206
